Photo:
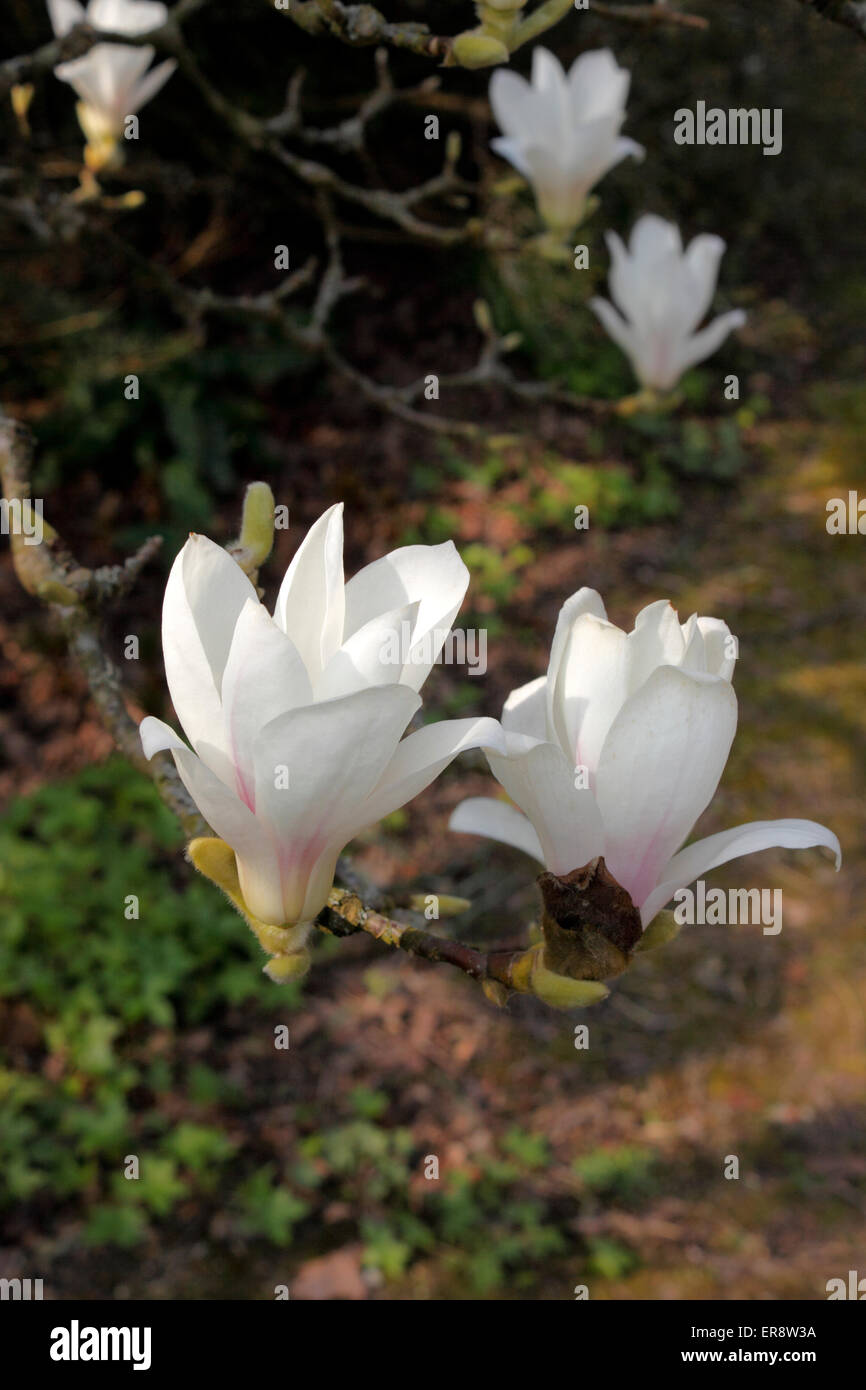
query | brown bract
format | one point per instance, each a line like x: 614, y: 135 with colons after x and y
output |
x: 590, y: 924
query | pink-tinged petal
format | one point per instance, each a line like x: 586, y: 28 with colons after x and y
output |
x: 264, y: 677
x: 541, y: 782
x: 698, y: 859
x: 434, y: 576
x: 310, y: 606
x: 659, y: 767
x: 497, y: 820
x: 225, y: 813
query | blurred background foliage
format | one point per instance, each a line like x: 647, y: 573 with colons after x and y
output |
x: 155, y: 1036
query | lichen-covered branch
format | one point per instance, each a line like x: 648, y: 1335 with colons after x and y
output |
x: 75, y: 595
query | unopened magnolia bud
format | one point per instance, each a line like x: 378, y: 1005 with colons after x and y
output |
x: 559, y: 992
x: 482, y: 315
x: 476, y: 50
x: 216, y: 860
x: 257, y: 524
x: 530, y: 975
x: 495, y: 992
x: 21, y: 96
x: 662, y: 929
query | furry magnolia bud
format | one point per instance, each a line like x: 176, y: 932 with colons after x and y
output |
x: 257, y: 524
x: 475, y: 49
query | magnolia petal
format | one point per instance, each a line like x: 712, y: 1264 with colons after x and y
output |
x: 720, y: 646
x: 151, y: 83
x: 230, y: 819
x: 418, y: 760
x: 540, y: 781
x: 498, y: 820
x: 264, y: 678
x: 334, y: 754
x: 698, y: 859
x: 548, y: 74
x: 592, y: 686
x: 514, y: 105
x: 705, y: 343
x: 310, y: 606
x: 525, y: 710
x: 615, y: 326
x: 659, y: 767
x: 584, y: 601
x: 653, y: 239
x: 64, y: 15
x: 127, y: 16
x: 702, y: 258
x: 434, y: 576
x: 374, y: 655
x: 204, y: 596
x: 597, y: 85
x: 511, y: 149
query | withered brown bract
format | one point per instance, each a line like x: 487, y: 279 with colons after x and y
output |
x: 590, y: 924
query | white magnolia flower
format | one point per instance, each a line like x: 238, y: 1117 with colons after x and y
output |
x: 662, y: 292
x: 112, y: 80
x: 618, y: 750
x: 296, y: 720
x: 562, y: 132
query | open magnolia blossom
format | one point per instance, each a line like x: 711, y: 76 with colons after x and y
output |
x: 112, y: 80
x: 660, y: 294
x: 562, y: 131
x: 296, y: 720
x: 618, y: 750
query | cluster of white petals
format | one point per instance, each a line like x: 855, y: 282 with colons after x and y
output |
x: 562, y: 132
x: 619, y: 749
x: 112, y: 80
x: 661, y: 293
x: 296, y: 721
